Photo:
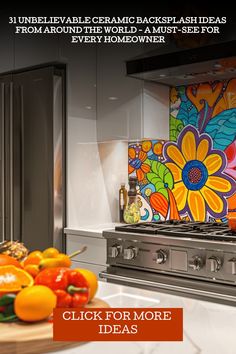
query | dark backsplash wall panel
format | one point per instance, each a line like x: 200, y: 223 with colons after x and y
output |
x: 193, y: 176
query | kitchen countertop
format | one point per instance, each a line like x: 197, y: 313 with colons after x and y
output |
x: 209, y: 328
x: 92, y: 230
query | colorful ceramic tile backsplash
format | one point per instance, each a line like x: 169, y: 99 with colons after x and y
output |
x: 193, y: 176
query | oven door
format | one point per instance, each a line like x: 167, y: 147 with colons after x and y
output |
x: 203, y: 290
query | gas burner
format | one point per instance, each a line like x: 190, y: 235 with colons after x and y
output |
x: 182, y: 228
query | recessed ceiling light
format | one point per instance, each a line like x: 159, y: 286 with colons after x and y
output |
x: 162, y: 75
x: 88, y: 107
x: 113, y: 98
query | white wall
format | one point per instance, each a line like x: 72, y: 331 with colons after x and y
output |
x: 114, y: 164
x: 94, y: 174
x: 95, y: 171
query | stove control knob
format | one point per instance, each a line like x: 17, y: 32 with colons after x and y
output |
x: 231, y: 266
x: 196, y: 263
x: 161, y: 256
x: 114, y: 251
x: 214, y: 264
x: 130, y: 253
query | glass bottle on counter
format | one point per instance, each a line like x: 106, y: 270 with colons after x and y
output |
x: 132, y: 210
x: 122, y: 201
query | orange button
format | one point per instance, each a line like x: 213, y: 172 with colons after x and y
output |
x: 118, y: 324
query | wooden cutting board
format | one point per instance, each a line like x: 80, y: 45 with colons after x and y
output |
x: 35, y: 338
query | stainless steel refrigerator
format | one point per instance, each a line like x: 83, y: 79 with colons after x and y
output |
x: 32, y: 157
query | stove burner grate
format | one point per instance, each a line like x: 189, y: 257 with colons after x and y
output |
x: 182, y: 228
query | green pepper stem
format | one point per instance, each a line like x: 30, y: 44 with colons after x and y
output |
x: 71, y: 289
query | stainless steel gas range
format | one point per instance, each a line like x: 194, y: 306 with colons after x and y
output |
x: 192, y: 258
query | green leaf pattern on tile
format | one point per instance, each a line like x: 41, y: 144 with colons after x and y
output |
x: 176, y: 125
x: 161, y: 177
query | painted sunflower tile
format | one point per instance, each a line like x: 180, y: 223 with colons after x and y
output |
x: 203, y: 127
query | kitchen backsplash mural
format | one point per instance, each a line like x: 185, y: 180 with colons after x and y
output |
x: 154, y: 180
x: 193, y: 176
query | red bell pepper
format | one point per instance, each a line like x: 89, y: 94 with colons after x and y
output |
x: 70, y: 287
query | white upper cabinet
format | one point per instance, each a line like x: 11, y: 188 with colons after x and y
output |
x: 128, y: 108
x: 119, y: 99
x: 83, y: 161
x: 81, y: 79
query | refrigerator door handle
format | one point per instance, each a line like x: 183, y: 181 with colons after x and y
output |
x: 11, y: 164
x: 3, y: 157
x: 22, y: 159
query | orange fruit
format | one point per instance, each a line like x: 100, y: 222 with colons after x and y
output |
x: 50, y: 253
x: 13, y: 279
x: 33, y: 258
x: 32, y: 269
x: 92, y: 281
x: 7, y: 260
x: 35, y: 303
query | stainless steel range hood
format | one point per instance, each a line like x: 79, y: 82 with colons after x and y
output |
x: 209, y: 63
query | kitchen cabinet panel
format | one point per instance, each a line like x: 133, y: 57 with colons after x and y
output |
x: 82, y: 151
x: 35, y: 49
x: 119, y: 98
x: 128, y: 108
x: 93, y: 267
x: 96, y: 249
x: 81, y: 83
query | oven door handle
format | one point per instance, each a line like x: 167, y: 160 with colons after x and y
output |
x: 158, y: 285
